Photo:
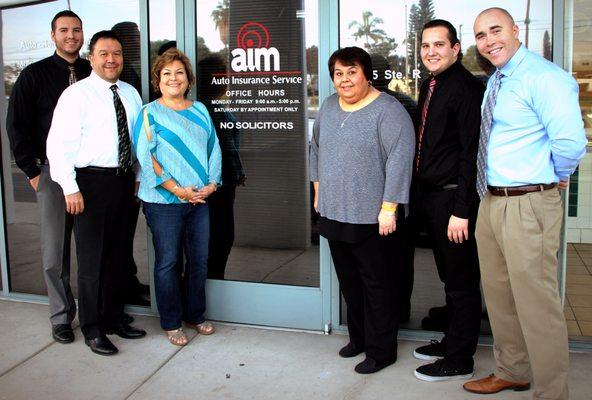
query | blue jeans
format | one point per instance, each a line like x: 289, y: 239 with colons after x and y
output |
x: 180, y: 295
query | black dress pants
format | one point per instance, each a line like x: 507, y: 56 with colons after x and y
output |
x: 100, y: 242
x: 221, y: 207
x: 367, y: 272
x: 405, y: 260
x: 458, y: 268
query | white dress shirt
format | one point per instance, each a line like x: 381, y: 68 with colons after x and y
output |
x: 83, y: 131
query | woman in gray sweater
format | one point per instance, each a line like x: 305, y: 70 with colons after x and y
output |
x: 361, y: 160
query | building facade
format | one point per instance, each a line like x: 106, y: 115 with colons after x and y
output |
x: 264, y: 63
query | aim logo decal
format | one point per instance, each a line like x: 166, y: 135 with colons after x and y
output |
x: 253, y: 52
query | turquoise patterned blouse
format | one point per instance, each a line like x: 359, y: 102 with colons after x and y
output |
x: 183, y: 142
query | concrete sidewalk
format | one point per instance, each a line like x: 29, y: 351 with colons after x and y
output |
x: 235, y: 363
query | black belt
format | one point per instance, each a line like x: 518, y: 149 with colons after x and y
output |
x: 104, y: 171
x: 449, y: 186
x: 423, y: 188
x: 519, y: 190
x: 41, y: 161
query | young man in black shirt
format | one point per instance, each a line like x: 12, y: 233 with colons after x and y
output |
x: 30, y: 110
x: 444, y: 197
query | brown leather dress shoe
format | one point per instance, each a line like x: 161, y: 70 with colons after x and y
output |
x: 493, y: 384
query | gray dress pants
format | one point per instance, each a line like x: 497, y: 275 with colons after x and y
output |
x: 56, y: 232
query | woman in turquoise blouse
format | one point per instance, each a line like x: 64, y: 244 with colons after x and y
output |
x: 180, y: 158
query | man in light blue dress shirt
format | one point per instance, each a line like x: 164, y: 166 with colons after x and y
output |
x: 535, y: 141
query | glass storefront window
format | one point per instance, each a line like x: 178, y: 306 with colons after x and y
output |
x: 22, y: 47
x: 162, y: 30
x: 390, y: 31
x: 252, y: 59
x: 312, y: 56
x: 578, y: 288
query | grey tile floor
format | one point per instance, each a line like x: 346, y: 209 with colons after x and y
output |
x: 237, y: 362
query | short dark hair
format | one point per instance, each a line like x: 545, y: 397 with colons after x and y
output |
x: 452, y: 35
x: 169, y: 56
x: 208, y: 67
x: 351, y: 56
x: 102, y: 35
x: 64, y: 13
x: 171, y: 44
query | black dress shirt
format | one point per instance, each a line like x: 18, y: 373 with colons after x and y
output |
x: 451, y: 136
x: 30, y: 108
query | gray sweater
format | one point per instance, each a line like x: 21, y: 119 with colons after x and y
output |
x: 361, y: 158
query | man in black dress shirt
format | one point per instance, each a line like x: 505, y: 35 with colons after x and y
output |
x: 444, y: 196
x: 30, y: 110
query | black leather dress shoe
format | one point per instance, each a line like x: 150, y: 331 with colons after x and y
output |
x: 62, y: 333
x: 438, y: 319
x: 433, y: 324
x: 138, y: 294
x: 126, y: 331
x: 370, y: 365
x: 127, y: 319
x: 350, y: 350
x: 101, y: 345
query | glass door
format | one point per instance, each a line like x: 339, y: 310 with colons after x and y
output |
x: 256, y: 71
x: 578, y: 268
x: 21, y: 250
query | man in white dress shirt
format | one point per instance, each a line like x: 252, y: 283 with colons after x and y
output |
x: 89, y: 149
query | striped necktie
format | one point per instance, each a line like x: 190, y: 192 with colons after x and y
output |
x: 72, y: 78
x: 424, y: 115
x: 125, y: 159
x: 486, y: 120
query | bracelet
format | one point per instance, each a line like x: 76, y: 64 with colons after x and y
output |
x: 175, y: 193
x: 386, y: 208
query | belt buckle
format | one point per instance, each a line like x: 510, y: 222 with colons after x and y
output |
x: 506, y: 191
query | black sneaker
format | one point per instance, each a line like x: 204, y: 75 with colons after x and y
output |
x: 442, y: 370
x: 431, y: 352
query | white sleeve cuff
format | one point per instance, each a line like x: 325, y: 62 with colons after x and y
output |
x: 70, y: 187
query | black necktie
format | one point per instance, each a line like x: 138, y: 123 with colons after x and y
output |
x: 424, y: 115
x: 72, y: 78
x: 125, y: 159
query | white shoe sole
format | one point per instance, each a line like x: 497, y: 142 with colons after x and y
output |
x: 429, y: 378
x: 425, y: 357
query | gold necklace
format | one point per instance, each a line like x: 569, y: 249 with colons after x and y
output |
x: 346, y: 118
x: 362, y: 103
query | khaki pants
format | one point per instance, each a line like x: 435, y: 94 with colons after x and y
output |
x: 518, y: 240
